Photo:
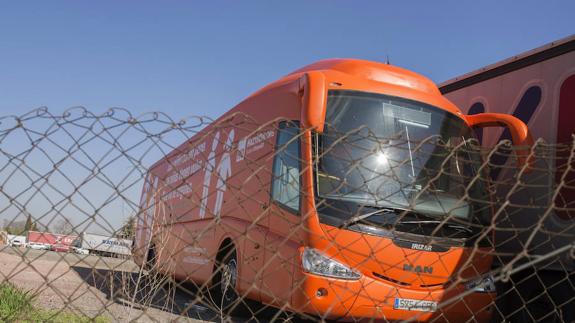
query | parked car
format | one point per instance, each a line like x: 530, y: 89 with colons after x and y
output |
x: 38, y: 246
x: 16, y: 241
x: 80, y: 251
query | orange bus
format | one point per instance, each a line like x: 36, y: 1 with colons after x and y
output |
x: 347, y: 189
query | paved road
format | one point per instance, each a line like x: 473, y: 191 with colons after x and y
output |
x: 95, y: 285
x: 111, y: 287
x: 71, y: 258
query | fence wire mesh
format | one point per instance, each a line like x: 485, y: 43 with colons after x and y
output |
x: 120, y: 218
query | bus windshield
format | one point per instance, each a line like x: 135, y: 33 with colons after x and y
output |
x: 386, y: 152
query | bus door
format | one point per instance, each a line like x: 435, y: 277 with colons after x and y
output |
x: 284, y: 225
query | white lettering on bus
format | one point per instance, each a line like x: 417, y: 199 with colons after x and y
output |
x: 241, y: 149
x: 195, y: 260
x: 183, y: 173
x: 177, y: 184
x: 419, y: 246
x: 190, y: 155
x: 209, y: 167
x: 251, y: 144
x: 224, y: 171
x: 195, y: 255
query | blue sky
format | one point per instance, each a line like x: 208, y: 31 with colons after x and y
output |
x: 191, y: 58
x: 201, y: 58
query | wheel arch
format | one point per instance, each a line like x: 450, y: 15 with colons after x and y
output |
x: 226, y: 245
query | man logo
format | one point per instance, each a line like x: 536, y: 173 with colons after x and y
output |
x: 418, y: 269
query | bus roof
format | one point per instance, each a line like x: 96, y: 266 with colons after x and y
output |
x: 374, y: 71
x: 368, y: 73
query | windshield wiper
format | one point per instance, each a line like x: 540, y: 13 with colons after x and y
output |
x: 448, y: 224
x: 360, y: 217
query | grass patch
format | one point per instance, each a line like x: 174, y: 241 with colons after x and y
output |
x: 14, y: 302
x: 17, y: 305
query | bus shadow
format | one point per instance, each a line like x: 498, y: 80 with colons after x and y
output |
x: 178, y: 298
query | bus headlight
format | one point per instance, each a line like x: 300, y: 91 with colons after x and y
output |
x: 482, y: 285
x: 316, y: 263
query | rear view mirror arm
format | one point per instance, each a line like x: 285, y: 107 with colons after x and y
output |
x: 520, y: 134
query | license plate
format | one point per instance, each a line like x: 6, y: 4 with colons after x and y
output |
x: 414, y: 305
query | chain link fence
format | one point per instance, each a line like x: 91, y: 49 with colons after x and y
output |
x: 113, y: 217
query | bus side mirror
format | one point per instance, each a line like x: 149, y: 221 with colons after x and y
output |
x: 520, y: 134
x: 314, y: 96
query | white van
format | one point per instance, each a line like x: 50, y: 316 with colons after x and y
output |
x: 16, y: 241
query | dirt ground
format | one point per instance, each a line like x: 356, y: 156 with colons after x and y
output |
x: 93, y: 286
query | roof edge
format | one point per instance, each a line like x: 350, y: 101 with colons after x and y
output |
x: 530, y: 57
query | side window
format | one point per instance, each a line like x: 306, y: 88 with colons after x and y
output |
x: 286, y: 167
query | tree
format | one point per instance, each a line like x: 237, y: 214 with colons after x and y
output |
x: 14, y: 227
x: 15, y: 230
x: 30, y: 226
x: 63, y: 226
x: 128, y: 229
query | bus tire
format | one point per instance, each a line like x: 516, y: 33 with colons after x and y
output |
x: 151, y: 259
x: 154, y: 280
x: 223, y: 290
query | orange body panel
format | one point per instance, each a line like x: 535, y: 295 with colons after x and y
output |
x: 187, y: 214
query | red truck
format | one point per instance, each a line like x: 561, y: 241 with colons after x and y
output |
x: 537, y: 87
x: 57, y: 242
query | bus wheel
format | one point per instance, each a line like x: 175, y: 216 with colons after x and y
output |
x: 151, y: 260
x: 223, y: 290
x: 154, y: 280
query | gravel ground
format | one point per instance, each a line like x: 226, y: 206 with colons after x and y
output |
x: 84, y: 284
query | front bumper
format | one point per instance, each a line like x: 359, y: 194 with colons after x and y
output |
x: 371, y: 298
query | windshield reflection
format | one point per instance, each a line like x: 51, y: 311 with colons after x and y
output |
x: 388, y: 152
